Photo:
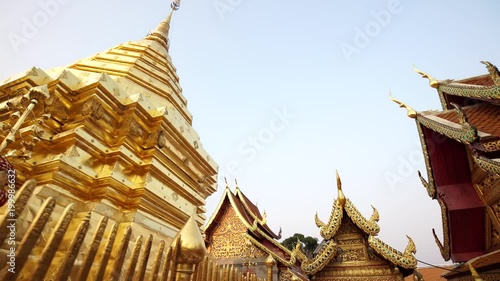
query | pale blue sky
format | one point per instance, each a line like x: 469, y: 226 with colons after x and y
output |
x: 241, y: 64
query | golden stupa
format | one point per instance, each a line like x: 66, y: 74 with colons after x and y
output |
x: 109, y: 168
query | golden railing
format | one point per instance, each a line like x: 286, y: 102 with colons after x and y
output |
x: 106, y: 255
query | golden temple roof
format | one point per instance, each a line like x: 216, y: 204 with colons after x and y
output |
x: 343, y: 214
x: 246, y: 210
x: 117, y: 124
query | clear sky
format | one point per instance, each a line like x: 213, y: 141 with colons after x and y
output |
x: 285, y: 92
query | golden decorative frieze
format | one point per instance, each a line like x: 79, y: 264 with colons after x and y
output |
x: 444, y: 247
x: 487, y: 164
x: 93, y: 250
x: 430, y: 184
x: 466, y: 134
x: 490, y: 146
x: 367, y: 226
x: 346, y: 253
x: 486, y: 187
x: 186, y: 250
x: 53, y: 242
x: 328, y: 230
x: 405, y: 260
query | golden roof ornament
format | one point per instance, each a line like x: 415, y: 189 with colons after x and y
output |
x: 494, y: 73
x: 341, y: 196
x: 28, y: 101
x: 410, y: 111
x: 192, y: 246
x: 160, y: 33
x: 270, y: 261
x: 432, y: 82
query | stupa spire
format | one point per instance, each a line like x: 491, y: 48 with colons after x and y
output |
x: 160, y: 33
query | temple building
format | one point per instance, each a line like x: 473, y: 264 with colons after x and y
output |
x: 461, y: 146
x: 238, y: 234
x: 110, y: 165
x: 350, y: 249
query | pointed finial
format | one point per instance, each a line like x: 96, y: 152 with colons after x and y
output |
x: 270, y: 261
x: 410, y: 111
x: 236, y: 182
x: 192, y: 246
x: 160, y: 33
x: 494, y: 73
x: 341, y: 196
x: 432, y: 82
x: 225, y: 180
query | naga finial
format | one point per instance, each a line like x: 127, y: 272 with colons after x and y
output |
x: 470, y: 130
x: 410, y: 248
x: 432, y: 82
x: 225, y: 180
x: 410, y: 111
x: 341, y: 196
x: 494, y: 73
x: 375, y: 216
x: 462, y: 118
x: 236, y: 182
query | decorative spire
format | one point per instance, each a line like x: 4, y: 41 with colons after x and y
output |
x: 225, y: 179
x: 341, y: 196
x: 160, y: 33
x: 410, y: 111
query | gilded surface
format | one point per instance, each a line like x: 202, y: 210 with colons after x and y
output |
x: 490, y: 146
x: 487, y: 187
x: 229, y: 237
x: 179, y: 259
x: 485, y: 276
x: 494, y: 73
x: 444, y: 247
x: 467, y: 134
x: 312, y: 266
x: 367, y: 226
x: 495, y: 237
x: 405, y: 259
x: 87, y: 134
x: 488, y: 165
x: 346, y: 255
x: 328, y: 230
x: 432, y: 82
x: 409, y: 111
x: 429, y: 185
x: 285, y: 275
x: 472, y: 91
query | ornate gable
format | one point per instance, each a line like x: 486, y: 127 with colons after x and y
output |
x: 229, y: 237
x: 351, y: 250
